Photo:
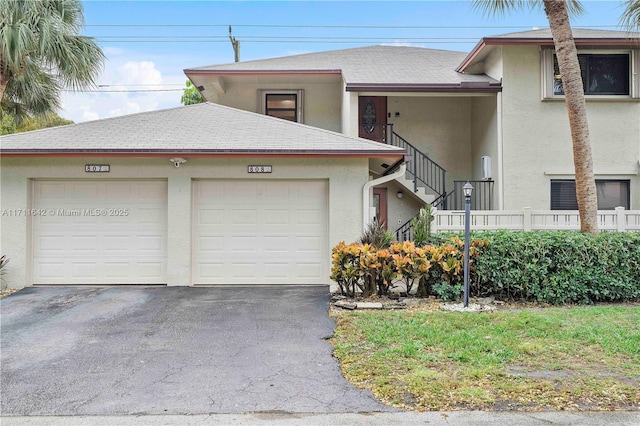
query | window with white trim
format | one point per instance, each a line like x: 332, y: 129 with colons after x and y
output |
x: 611, y: 193
x: 604, y: 74
x: 285, y: 104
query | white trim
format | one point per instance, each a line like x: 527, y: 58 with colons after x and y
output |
x: 366, y: 192
x: 546, y: 61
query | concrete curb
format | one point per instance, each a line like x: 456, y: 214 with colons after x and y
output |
x: 620, y: 418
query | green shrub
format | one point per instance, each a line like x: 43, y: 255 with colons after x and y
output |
x: 3, y: 264
x: 422, y: 226
x: 363, y: 269
x: 559, y: 266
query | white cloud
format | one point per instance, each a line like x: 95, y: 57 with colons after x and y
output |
x: 144, y: 73
x: 126, y: 87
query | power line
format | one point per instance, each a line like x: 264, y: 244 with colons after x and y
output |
x: 137, y: 85
x: 126, y: 91
x: 395, y: 27
x: 279, y: 37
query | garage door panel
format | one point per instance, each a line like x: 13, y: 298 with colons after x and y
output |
x: 52, y: 269
x: 266, y: 235
x: 309, y: 271
x: 83, y: 244
x: 78, y: 245
x: 275, y: 217
x: 83, y: 190
x: 84, y: 270
x: 210, y: 216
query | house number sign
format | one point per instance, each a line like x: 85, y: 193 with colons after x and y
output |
x: 97, y: 168
x: 259, y: 169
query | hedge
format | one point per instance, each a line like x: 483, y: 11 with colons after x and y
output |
x: 554, y: 267
x: 559, y: 266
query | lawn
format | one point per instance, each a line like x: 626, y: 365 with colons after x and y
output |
x: 565, y: 358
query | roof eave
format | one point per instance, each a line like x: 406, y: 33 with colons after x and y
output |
x: 540, y: 41
x: 199, y: 153
x: 464, y: 87
x: 189, y: 72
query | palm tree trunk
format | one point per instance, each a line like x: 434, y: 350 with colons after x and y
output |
x: 556, y: 11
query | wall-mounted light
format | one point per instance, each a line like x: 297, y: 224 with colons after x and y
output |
x: 201, y: 88
x: 400, y: 194
x: 177, y: 161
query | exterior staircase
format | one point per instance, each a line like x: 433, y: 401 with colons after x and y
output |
x: 425, y: 179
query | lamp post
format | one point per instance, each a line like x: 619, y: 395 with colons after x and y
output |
x: 467, y: 189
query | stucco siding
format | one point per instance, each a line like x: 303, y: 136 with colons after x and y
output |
x: 537, y: 140
x: 322, y: 101
x: 493, y: 66
x: 438, y: 126
x: 485, y: 138
x: 345, y: 178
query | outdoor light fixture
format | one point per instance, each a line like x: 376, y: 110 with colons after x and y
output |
x: 400, y: 194
x: 467, y: 189
x: 177, y: 161
x: 201, y: 88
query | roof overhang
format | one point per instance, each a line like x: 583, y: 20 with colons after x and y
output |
x: 541, y: 41
x: 200, y: 153
x: 465, y: 87
x: 196, y: 72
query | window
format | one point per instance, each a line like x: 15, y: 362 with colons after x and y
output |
x: 611, y: 194
x: 603, y: 74
x: 282, y: 104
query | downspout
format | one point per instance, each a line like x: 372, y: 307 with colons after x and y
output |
x: 366, y: 191
x: 500, y: 149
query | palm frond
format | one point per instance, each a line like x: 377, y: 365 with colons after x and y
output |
x: 630, y: 18
x: 503, y: 7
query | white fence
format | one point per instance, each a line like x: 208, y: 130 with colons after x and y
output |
x: 620, y: 220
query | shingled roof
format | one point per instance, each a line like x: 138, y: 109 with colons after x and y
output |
x: 542, y: 37
x: 389, y: 68
x: 196, y: 130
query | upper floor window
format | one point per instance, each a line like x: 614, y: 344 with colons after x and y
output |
x: 282, y: 104
x: 604, y: 73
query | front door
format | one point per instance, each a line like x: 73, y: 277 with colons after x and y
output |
x: 372, y: 117
x: 380, y: 204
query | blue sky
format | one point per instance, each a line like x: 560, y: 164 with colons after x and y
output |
x: 149, y: 43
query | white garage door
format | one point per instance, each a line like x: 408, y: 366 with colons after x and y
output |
x: 260, y: 232
x: 99, y: 232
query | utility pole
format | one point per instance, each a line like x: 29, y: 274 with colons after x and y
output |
x: 236, y: 45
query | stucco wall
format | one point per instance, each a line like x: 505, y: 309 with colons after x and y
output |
x: 438, y: 126
x: 322, y: 101
x: 537, y: 140
x: 400, y: 210
x: 346, y: 178
x: 484, y: 134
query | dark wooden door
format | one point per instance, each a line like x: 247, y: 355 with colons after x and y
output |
x: 380, y: 204
x: 372, y: 117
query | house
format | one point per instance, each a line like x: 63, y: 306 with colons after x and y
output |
x: 494, y: 116
x: 292, y: 155
x: 204, y: 194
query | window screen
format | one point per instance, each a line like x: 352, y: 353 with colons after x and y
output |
x: 611, y: 194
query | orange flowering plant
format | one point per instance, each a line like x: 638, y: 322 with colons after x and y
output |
x: 362, y: 269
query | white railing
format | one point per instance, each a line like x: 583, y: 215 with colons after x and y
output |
x: 529, y: 220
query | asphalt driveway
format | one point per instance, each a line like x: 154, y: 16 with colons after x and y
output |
x: 171, y: 350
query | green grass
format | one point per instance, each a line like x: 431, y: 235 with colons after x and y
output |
x: 553, y: 358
